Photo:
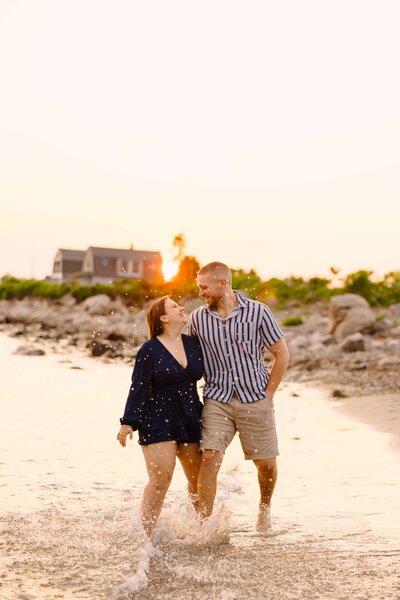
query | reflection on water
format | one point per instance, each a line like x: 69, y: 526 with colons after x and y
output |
x: 69, y: 499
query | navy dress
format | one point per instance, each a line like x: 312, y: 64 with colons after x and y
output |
x: 163, y: 403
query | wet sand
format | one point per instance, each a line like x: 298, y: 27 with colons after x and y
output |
x: 382, y: 412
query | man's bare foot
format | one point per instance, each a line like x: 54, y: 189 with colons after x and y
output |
x: 264, y: 519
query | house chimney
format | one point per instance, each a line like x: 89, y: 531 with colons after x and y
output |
x: 131, y: 247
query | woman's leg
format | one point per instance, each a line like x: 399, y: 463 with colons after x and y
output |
x: 160, y: 463
x: 190, y: 459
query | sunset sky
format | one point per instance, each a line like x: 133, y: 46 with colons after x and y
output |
x: 268, y: 133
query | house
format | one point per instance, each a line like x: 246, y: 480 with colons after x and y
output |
x: 67, y: 264
x: 103, y: 265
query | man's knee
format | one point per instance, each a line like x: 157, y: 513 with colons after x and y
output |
x: 267, y: 465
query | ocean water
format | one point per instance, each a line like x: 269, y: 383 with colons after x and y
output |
x: 69, y: 499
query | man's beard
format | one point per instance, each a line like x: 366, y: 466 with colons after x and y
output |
x: 213, y: 302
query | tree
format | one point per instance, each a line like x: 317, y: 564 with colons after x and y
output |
x: 179, y: 245
x: 187, y: 271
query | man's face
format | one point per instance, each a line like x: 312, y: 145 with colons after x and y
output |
x: 210, y: 289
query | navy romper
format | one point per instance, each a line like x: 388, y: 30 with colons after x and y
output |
x: 163, y: 403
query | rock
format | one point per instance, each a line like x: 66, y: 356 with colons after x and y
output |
x: 314, y: 323
x: 27, y: 350
x: 68, y: 300
x: 353, y: 343
x: 394, y: 310
x: 389, y: 361
x: 328, y: 340
x: 358, y: 367
x: 193, y: 304
x: 97, y: 305
x: 339, y: 394
x: 99, y: 347
x: 348, y: 314
x: 396, y: 331
x: 298, y: 342
x: 78, y: 323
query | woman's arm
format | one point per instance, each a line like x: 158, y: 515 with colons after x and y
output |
x: 136, y: 402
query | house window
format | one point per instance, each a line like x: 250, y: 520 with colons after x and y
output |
x: 136, y: 266
x: 104, y: 263
x: 124, y: 266
x: 57, y: 266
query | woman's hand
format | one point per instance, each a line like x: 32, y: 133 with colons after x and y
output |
x: 124, y: 431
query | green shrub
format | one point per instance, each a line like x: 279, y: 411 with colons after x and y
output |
x: 292, y: 321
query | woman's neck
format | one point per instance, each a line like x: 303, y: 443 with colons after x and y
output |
x: 171, y: 333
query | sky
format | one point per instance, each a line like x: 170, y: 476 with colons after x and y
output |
x: 267, y: 133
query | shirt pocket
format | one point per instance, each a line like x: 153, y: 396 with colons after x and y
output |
x: 244, y: 332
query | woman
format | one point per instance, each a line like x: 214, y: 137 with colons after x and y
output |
x: 163, y: 404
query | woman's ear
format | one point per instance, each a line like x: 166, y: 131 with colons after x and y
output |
x: 164, y: 318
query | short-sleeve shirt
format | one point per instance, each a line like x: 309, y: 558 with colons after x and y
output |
x: 233, y: 349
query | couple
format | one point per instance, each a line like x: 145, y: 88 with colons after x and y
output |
x: 225, y: 345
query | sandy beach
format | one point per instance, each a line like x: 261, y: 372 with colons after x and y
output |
x: 379, y: 411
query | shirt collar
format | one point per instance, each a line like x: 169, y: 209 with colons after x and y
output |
x: 242, y: 303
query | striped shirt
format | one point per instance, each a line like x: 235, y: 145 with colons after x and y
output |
x: 233, y: 349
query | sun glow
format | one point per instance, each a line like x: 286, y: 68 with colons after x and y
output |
x: 169, y: 269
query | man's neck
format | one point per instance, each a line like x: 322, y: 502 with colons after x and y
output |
x: 227, y: 304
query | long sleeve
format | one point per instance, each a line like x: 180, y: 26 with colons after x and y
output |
x: 139, y: 391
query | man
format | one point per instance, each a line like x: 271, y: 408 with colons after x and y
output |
x: 238, y: 392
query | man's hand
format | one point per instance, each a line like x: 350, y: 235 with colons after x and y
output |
x: 281, y: 360
x: 270, y: 396
x: 124, y: 431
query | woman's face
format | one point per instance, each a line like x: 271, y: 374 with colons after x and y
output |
x: 174, y: 312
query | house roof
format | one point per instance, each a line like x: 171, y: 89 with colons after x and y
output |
x: 72, y: 254
x: 123, y: 253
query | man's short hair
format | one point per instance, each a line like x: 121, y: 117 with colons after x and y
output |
x: 218, y: 270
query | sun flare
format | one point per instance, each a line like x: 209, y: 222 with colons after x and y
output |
x: 169, y: 269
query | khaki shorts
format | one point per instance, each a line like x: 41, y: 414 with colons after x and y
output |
x: 254, y: 422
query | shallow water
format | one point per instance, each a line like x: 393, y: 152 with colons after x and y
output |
x: 69, y: 498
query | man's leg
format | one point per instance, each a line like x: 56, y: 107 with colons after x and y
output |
x: 256, y: 426
x: 267, y: 474
x: 211, y: 461
x: 217, y: 431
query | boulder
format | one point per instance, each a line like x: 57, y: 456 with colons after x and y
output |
x: 389, y: 362
x: 67, y: 300
x: 97, y: 305
x: 99, y: 347
x: 348, y: 314
x: 28, y: 350
x: 353, y: 343
x: 299, y: 342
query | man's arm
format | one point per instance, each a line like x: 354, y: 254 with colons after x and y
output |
x: 281, y: 360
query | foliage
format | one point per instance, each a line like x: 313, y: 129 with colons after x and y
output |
x: 187, y: 272
x: 298, y: 289
x: 283, y: 291
x: 377, y: 293
x: 249, y: 282
x: 292, y: 321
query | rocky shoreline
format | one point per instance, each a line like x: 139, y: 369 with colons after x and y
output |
x: 346, y: 345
